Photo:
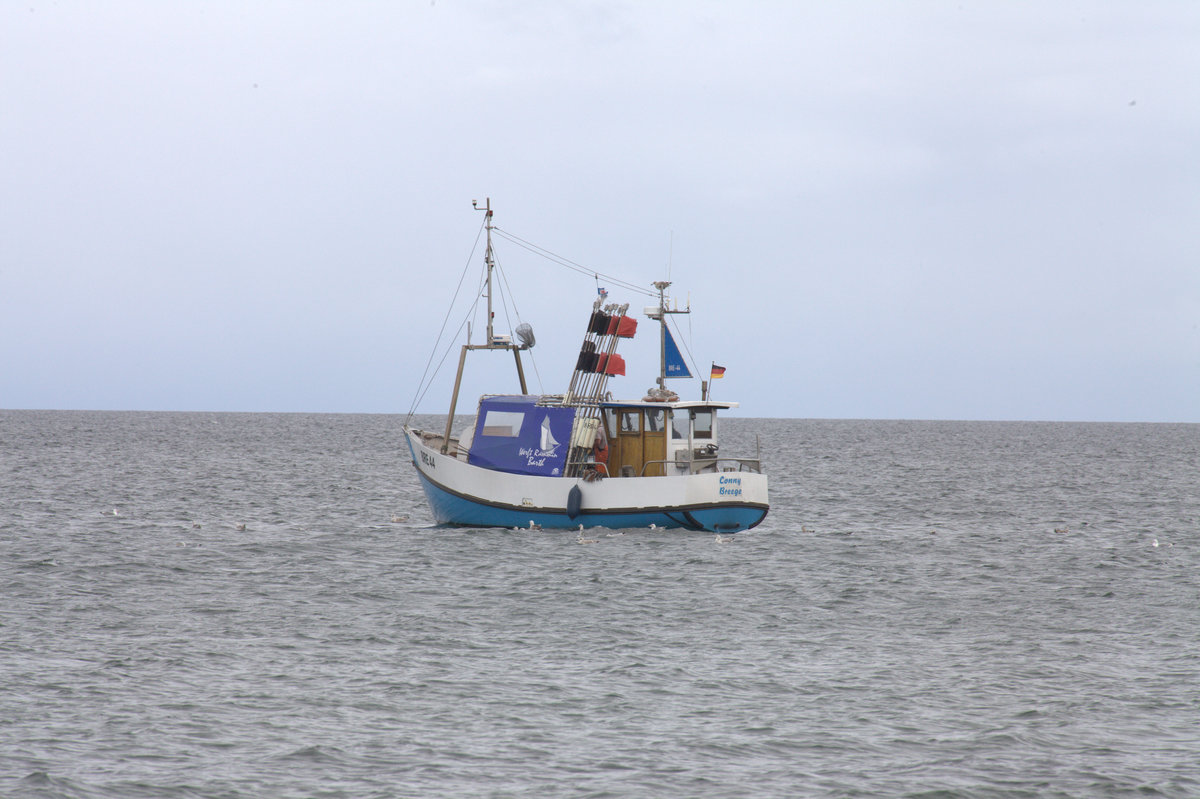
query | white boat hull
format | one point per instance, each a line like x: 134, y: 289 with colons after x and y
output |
x: 463, y: 494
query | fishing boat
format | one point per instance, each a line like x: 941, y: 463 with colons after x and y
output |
x: 581, y: 458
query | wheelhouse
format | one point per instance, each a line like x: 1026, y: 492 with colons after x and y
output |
x: 653, y: 439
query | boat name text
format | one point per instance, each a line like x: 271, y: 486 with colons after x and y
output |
x: 534, y: 457
x: 428, y: 460
x: 731, y: 486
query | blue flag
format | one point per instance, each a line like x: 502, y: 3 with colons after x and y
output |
x: 676, y: 366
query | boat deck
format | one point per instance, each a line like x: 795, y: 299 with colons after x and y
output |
x: 436, y: 440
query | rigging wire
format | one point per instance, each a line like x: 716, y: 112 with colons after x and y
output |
x: 446, y: 354
x: 420, y: 394
x: 505, y: 297
x: 569, y: 264
x: 449, y: 347
x: 680, y: 338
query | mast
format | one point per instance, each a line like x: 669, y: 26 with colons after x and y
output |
x: 492, y: 342
x: 488, y: 259
x: 660, y: 314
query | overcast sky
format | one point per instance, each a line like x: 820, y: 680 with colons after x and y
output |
x: 936, y: 210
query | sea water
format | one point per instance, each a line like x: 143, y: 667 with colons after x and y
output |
x: 225, y: 605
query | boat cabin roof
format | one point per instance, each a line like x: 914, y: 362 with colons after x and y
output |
x: 516, y: 400
x: 681, y: 404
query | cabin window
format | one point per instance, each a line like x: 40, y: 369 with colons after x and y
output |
x: 631, y: 422
x: 702, y: 424
x: 654, y: 420
x: 503, y: 423
x: 679, y: 425
x: 610, y: 421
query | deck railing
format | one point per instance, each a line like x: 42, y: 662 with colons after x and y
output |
x: 700, y: 465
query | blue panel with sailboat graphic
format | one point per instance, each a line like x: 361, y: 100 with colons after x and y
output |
x: 515, y: 434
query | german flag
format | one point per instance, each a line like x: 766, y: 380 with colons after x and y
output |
x: 717, y: 371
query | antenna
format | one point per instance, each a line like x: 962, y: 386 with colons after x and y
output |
x: 670, y: 255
